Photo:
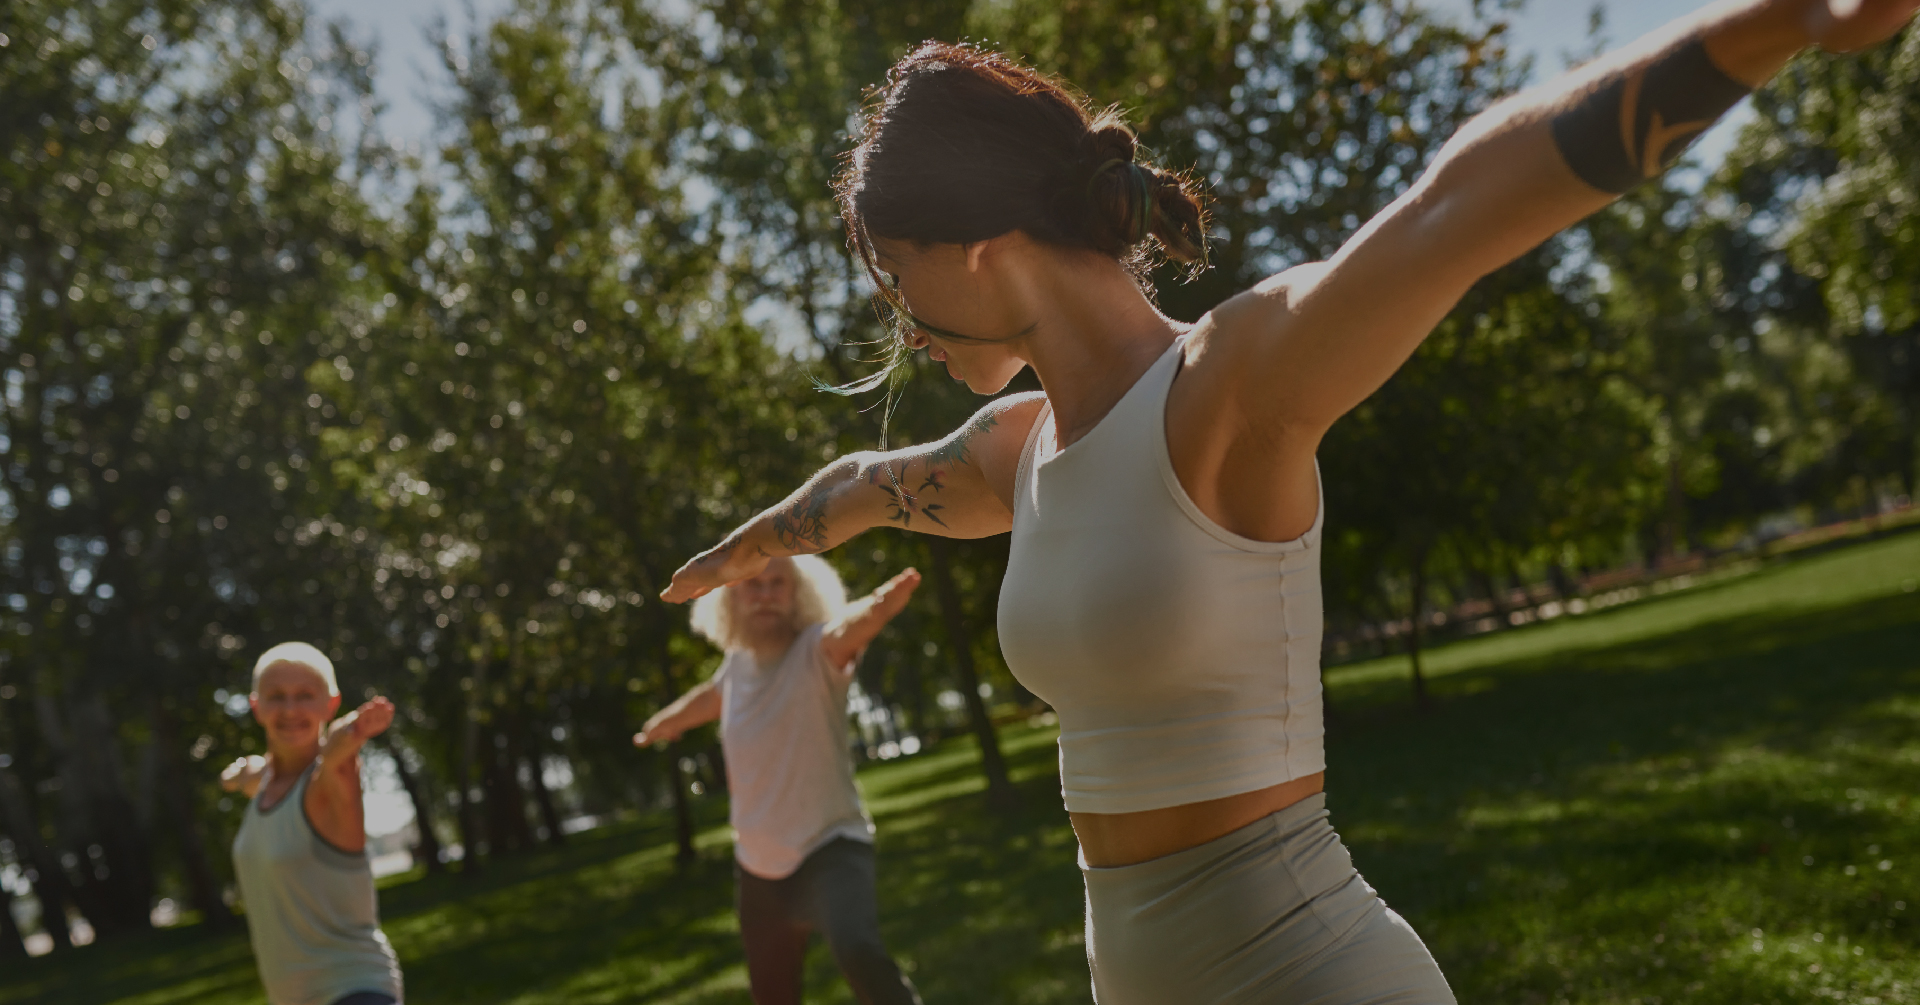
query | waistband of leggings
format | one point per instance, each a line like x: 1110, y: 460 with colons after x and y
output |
x: 1283, y: 823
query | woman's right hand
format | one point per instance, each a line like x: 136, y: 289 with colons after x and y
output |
x: 730, y: 561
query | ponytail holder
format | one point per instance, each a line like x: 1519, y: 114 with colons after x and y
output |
x: 1142, y: 195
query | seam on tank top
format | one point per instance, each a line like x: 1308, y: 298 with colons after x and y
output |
x: 1282, y: 669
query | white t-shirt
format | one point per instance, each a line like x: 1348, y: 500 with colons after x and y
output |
x: 789, y: 766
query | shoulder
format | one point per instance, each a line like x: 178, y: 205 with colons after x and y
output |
x: 994, y: 437
x: 811, y: 646
x: 1248, y: 320
x: 1004, y: 419
x: 1235, y: 344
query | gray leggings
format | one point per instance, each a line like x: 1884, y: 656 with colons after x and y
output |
x: 1273, y: 912
x: 832, y: 893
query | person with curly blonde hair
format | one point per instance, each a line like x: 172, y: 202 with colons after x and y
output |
x: 803, y: 841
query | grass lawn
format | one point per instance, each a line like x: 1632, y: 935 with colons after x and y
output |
x: 1700, y: 798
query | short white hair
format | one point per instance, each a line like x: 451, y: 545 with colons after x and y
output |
x: 301, y: 653
x: 818, y: 596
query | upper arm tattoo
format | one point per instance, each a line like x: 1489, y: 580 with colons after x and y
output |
x: 906, y: 500
x: 958, y: 448
x: 1633, y: 125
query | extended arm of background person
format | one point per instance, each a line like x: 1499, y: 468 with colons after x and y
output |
x: 333, y: 797
x: 244, y: 775
x: 848, y: 634
x: 699, y: 706
x: 961, y: 486
x: 1514, y: 176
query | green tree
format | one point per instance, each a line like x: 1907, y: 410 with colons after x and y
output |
x: 181, y: 217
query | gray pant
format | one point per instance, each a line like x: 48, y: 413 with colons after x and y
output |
x: 1273, y: 912
x: 831, y: 893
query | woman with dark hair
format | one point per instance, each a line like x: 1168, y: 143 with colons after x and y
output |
x: 1163, y: 587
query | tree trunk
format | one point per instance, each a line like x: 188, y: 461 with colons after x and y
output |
x: 1000, y: 791
x: 684, y: 854
x: 97, y: 812
x: 203, y: 884
x: 427, y: 849
x: 536, y: 775
x: 1673, y: 528
x: 909, y: 682
x: 507, y: 828
x: 13, y: 945
x: 543, y: 801
x: 50, y: 886
x: 469, y: 823
x: 1495, y: 595
x: 1421, y: 699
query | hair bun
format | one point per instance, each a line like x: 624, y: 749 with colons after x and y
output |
x: 1110, y: 139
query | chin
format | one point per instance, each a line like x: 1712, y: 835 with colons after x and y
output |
x: 991, y: 384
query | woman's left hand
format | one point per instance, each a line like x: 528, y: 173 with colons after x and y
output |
x: 372, y: 718
x: 360, y: 725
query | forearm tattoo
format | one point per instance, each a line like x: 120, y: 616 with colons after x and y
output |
x: 801, y: 525
x: 1630, y: 127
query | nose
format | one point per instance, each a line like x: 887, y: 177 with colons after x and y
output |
x: 916, y: 339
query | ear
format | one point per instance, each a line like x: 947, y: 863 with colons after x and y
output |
x: 333, y: 705
x: 975, y: 253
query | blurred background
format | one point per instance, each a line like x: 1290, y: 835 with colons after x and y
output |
x: 438, y: 335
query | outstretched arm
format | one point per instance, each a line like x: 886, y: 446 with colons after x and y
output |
x: 848, y: 634
x: 697, y: 707
x: 1312, y: 343
x: 333, y: 797
x: 244, y: 775
x: 961, y: 486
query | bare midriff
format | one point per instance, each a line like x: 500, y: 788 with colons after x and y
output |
x: 1115, y: 839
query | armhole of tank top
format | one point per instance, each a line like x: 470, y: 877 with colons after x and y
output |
x: 1023, y: 472
x: 1238, y: 542
x: 300, y: 789
x: 1320, y: 502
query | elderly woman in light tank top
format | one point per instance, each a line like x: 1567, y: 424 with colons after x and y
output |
x: 1163, y: 587
x: 301, y: 854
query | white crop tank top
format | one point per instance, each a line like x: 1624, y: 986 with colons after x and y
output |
x: 1182, y: 659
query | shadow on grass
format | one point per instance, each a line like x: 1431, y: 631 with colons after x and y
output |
x: 1617, y: 822
x: 985, y: 907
